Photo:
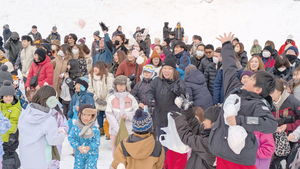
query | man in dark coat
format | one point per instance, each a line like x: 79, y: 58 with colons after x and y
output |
x: 209, y: 53
x: 14, y: 46
x: 173, y: 41
x: 179, y: 32
x: 34, y: 33
x: 54, y: 35
x: 197, y: 58
x: 143, y: 44
x: 166, y: 30
x: 6, y: 32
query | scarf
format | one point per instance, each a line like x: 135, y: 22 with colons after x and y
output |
x: 278, y: 104
x: 86, y: 130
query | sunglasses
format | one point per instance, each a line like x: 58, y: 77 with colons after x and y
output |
x: 70, y: 38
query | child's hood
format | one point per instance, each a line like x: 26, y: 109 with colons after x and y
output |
x: 37, y: 113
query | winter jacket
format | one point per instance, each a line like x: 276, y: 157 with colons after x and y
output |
x: 105, y: 56
x: 126, y: 68
x: 89, y: 62
x: 252, y: 105
x: 166, y: 50
x: 146, y: 47
x: 60, y: 67
x: 26, y: 57
x: 266, y: 148
x: 173, y: 41
x: 123, y: 48
x: 193, y: 134
x: 21, y: 97
x: 282, y: 48
x: 296, y: 92
x: 183, y: 60
x: 114, y: 67
x: 13, y: 48
x: 5, y: 125
x: 45, y: 75
x: 296, y: 133
x: 82, y: 67
x: 255, y: 49
x: 140, y: 89
x: 116, y: 33
x: 100, y: 87
x: 286, y: 75
x: 133, y: 153
x: 78, y: 99
x: 53, y: 36
x: 166, y: 30
x: 195, y: 60
x: 37, y: 35
x: 162, y: 91
x: 36, y: 137
x: 197, y: 89
x: 6, y: 34
x: 293, y: 59
x: 274, y: 54
x: 210, y: 74
x: 205, y: 62
x: 268, y: 62
x: 95, y: 48
x: 243, y: 59
x: 119, y: 104
x: 179, y: 33
x: 12, y: 112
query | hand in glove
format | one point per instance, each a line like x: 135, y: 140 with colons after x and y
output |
x: 103, y: 26
x: 183, y: 102
x: 101, y: 102
x: 175, y: 114
x: 286, y: 120
x: 176, y: 87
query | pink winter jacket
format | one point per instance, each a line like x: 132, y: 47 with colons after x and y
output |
x: 266, y: 148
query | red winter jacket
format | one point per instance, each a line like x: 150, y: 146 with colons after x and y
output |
x: 281, y: 50
x: 46, y: 73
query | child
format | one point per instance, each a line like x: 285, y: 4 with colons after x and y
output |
x: 120, y: 105
x: 84, y: 137
x: 5, y: 125
x: 11, y: 109
x: 252, y: 114
x: 80, y: 97
x: 140, y: 150
x: 19, y: 93
x: 39, y: 131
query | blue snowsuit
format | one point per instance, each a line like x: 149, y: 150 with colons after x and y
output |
x: 88, y: 160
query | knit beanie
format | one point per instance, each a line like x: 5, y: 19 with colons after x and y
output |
x: 212, y: 113
x: 155, y: 54
x: 97, y: 33
x: 5, y: 75
x: 81, y: 41
x: 169, y: 62
x: 293, y: 48
x: 83, y: 81
x: 247, y: 72
x: 7, y: 89
x: 255, y: 40
x: 42, y: 54
x: 291, y: 37
x: 6, y: 26
x: 141, y: 122
x: 268, y: 48
x: 189, y: 69
x: 120, y: 80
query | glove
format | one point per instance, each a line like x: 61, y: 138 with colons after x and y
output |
x: 176, y: 86
x: 151, y: 103
x: 103, y: 26
x: 101, y: 102
x: 175, y: 114
x: 286, y: 120
x: 183, y: 102
x: 189, y: 113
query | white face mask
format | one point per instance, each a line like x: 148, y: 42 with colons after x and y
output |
x: 53, y: 47
x: 75, y: 51
x: 266, y: 54
x: 281, y: 69
x: 61, y: 53
x: 199, y: 53
x: 215, y: 60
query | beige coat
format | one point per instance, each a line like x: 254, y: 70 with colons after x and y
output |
x: 100, y: 88
x: 26, y: 57
x: 89, y: 62
x: 60, y: 66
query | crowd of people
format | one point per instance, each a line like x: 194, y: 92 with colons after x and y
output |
x: 233, y: 109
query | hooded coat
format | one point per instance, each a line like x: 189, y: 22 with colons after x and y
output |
x: 166, y: 30
x: 36, y: 137
x: 281, y: 50
x: 13, y: 47
x: 6, y: 34
x: 197, y: 89
x: 255, y: 49
x: 179, y: 32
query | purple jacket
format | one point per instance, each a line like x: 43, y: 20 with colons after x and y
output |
x: 266, y: 148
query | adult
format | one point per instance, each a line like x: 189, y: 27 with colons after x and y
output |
x: 239, y: 49
x: 166, y: 30
x: 255, y: 64
x: 105, y: 52
x: 72, y: 40
x: 87, y: 56
x: 79, y: 54
x: 34, y: 33
x: 274, y: 52
x: 291, y: 53
x: 197, y: 58
x: 14, y: 46
x: 143, y: 44
x: 196, y: 87
x: 55, y: 46
x: 60, y: 65
x: 6, y: 32
x: 95, y: 44
x: 156, y: 42
x: 54, y: 35
x: 282, y: 69
x: 137, y: 30
x: 256, y: 48
x: 26, y: 56
x: 235, y: 41
x: 267, y: 58
x: 166, y: 46
x: 197, y: 40
x: 142, y: 56
x: 42, y: 68
x: 289, y: 41
x: 118, y: 31
x: 119, y: 57
x: 209, y: 53
x: 179, y: 32
x: 173, y: 41
x: 183, y: 57
x: 119, y: 42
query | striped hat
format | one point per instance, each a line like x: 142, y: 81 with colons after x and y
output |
x: 142, y: 122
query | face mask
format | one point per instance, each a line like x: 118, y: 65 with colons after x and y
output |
x: 236, y: 50
x: 61, y: 53
x: 117, y: 42
x: 15, y: 40
x: 199, y: 53
x: 51, y: 102
x: 281, y: 69
x: 266, y: 54
x: 75, y: 51
x: 53, y: 47
x: 215, y: 60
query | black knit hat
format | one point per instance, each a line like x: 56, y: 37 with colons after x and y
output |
x: 7, y: 89
x: 212, y: 113
x: 167, y: 40
x: 5, y: 75
x: 169, y: 61
x: 42, y: 54
x: 83, y: 81
x: 268, y: 48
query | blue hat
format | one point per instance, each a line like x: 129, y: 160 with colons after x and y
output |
x: 149, y: 68
x: 142, y: 122
x: 83, y: 81
x: 293, y: 48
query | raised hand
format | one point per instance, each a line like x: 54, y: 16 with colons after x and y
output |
x: 225, y: 38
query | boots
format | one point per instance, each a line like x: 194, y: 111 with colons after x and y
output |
x: 101, y: 131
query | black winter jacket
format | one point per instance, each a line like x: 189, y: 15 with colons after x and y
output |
x: 286, y: 75
x: 254, y: 115
x: 204, y: 63
x: 195, y: 61
x: 172, y: 44
x: 166, y: 30
x: 140, y: 89
x: 210, y: 74
x: 243, y: 59
x: 114, y: 67
x: 146, y: 48
x: 13, y: 47
x: 6, y: 34
x: 162, y: 91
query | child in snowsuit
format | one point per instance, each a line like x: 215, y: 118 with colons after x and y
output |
x: 5, y: 125
x: 140, y: 150
x: 80, y: 97
x: 84, y: 137
x: 120, y: 105
x: 11, y: 109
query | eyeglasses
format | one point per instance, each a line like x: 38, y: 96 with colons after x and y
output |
x: 70, y: 38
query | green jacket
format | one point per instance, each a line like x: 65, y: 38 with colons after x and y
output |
x: 12, y: 113
x: 255, y: 49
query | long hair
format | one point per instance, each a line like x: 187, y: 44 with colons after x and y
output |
x: 66, y: 48
x: 261, y: 65
x: 242, y: 49
x: 174, y: 77
x: 41, y: 96
x: 121, y: 56
x: 80, y: 51
x: 74, y: 68
x: 102, y: 66
x: 159, y: 64
x: 86, y: 49
x: 297, y: 84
